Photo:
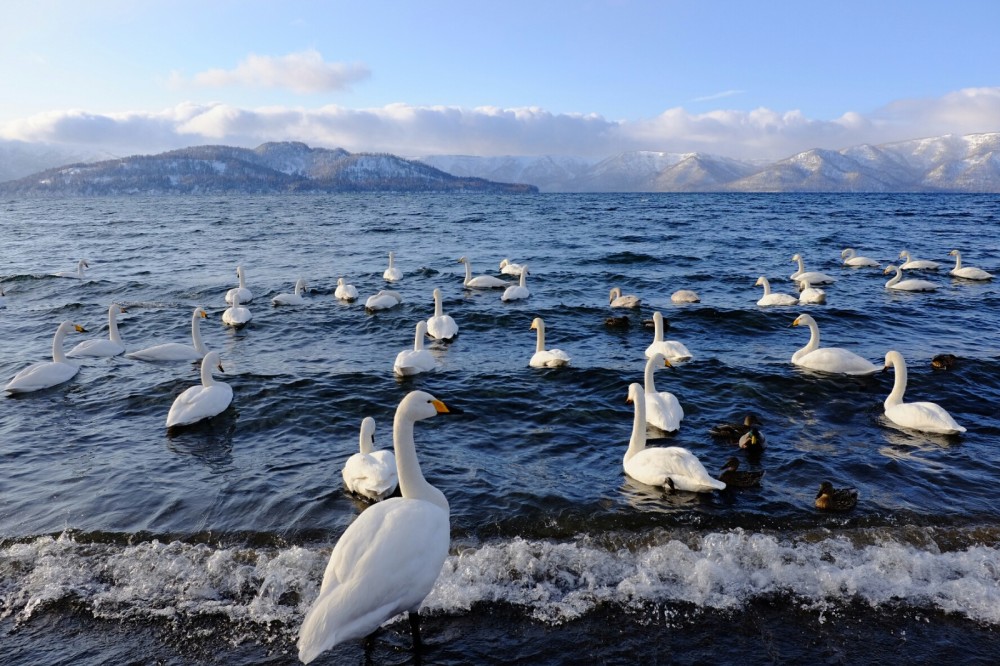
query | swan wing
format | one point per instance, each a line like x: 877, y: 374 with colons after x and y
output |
x: 442, y: 328
x: 549, y: 358
x: 664, y: 411
x: 372, y: 475
x: 671, y: 350
x: 486, y: 282
x: 837, y: 360
x: 40, y: 376
x: 97, y: 348
x: 653, y: 466
x: 923, y: 416
x: 413, y: 361
x: 168, y: 351
x: 198, y: 403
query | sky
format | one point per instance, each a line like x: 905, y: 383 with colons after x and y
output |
x: 748, y: 79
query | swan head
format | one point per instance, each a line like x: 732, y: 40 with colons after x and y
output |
x: 212, y: 360
x: 68, y: 326
x: 760, y: 281
x: 200, y: 312
x: 888, y: 269
x: 796, y: 257
x: 437, y: 294
x: 954, y: 253
x: 803, y: 320
x: 537, y: 324
x: 419, y: 405
x: 846, y: 252
x: 83, y: 264
x: 655, y: 359
x: 893, y: 359
x: 421, y: 328
x: 635, y: 392
x: 463, y: 260
x: 904, y: 254
x: 504, y: 262
x: 615, y: 293
x: 368, y: 429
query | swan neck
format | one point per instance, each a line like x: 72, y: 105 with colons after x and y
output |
x: 958, y: 260
x: 637, y: 442
x: 802, y: 265
x: 649, y: 385
x: 438, y: 309
x: 365, y: 444
x: 57, y: 344
x: 896, y: 278
x: 206, y: 374
x: 812, y: 345
x: 540, y: 338
x: 418, y: 339
x: 243, y: 282
x: 657, y: 327
x: 113, y: 333
x: 524, y: 277
x: 468, y: 272
x: 199, y: 346
x: 899, y: 383
x: 767, y: 286
x: 412, y: 484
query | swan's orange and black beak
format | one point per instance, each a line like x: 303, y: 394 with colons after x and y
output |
x: 445, y: 409
x: 79, y: 329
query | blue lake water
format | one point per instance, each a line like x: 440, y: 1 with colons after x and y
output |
x: 123, y: 543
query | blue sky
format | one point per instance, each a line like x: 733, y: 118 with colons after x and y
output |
x: 590, y: 78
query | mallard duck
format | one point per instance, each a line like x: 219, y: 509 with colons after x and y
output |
x: 943, y: 361
x: 752, y: 441
x: 617, y: 322
x: 733, y: 478
x: 835, y: 499
x: 732, y: 432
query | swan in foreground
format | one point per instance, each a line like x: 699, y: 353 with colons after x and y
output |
x: 829, y: 359
x: 775, y: 298
x: 49, y: 373
x: 545, y: 358
x: 912, y: 284
x: 414, y: 361
x: 481, y: 281
x: 835, y: 499
x: 388, y: 559
x: 616, y: 299
x: 663, y: 410
x: 441, y: 326
x: 814, y: 277
x: 383, y: 300
x: 344, y: 291
x: 968, y: 272
x: 809, y: 294
x: 509, y: 268
x: 175, y: 351
x: 671, y: 349
x: 392, y: 274
x: 291, y: 299
x: 518, y: 291
x: 79, y: 273
x: 684, y: 296
x: 202, y: 401
x: 912, y: 264
x: 113, y: 346
x: 672, y: 467
x: 246, y: 296
x: 923, y: 416
x: 236, y: 315
x: 853, y: 259
x: 370, y: 473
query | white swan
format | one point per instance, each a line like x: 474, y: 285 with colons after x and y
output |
x: 175, y: 351
x: 545, y: 358
x: 776, y: 298
x: 853, y: 259
x: 829, y: 359
x: 684, y: 296
x: 370, y: 473
x: 388, y: 559
x: 383, y: 300
x: 480, y: 281
x: 246, y: 296
x: 672, y: 467
x: 344, y: 291
x: 392, y: 274
x: 916, y: 264
x: 441, y: 326
x: 509, y: 268
x: 414, y: 361
x: 809, y: 294
x: 43, y: 375
x: 967, y: 272
x: 236, y: 315
x: 616, y: 300
x: 78, y: 273
x: 671, y: 349
x: 814, y: 277
x: 923, y: 416
x: 202, y: 401
x: 663, y: 410
x: 519, y: 291
x: 899, y: 284
x: 113, y: 346
x: 291, y: 299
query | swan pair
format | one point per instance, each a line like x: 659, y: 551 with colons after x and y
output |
x: 236, y: 315
x: 923, y: 416
x: 244, y: 294
x: 112, y: 346
x: 292, y: 299
x: 545, y: 358
x: 967, y: 272
x: 897, y: 282
x: 43, y: 375
x: 370, y: 473
x: 828, y: 359
x: 175, y: 351
x: 411, y: 362
x: 482, y: 281
x: 671, y: 349
x: 202, y: 401
x: 79, y: 273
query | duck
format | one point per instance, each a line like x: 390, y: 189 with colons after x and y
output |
x: 411, y: 362
x: 202, y: 401
x: 967, y: 272
x: 236, y: 315
x: 944, y: 361
x: 663, y: 410
x: 509, y: 268
x: 671, y: 349
x: 370, y: 473
x: 175, y: 351
x: 621, y: 322
x: 392, y: 274
x: 78, y: 274
x: 519, y: 291
x: 345, y: 292
x: 245, y: 295
x: 389, y: 558
x: 672, y: 467
x: 545, y: 358
x: 441, y: 326
x: 733, y: 477
x: 684, y: 296
x: 732, y: 432
x: 43, y: 375
x: 814, y: 277
x: 912, y: 264
x: 752, y: 441
x: 112, y: 346
x: 616, y: 299
x: 769, y: 298
x: 481, y: 281
x: 383, y: 300
x: 853, y: 259
x: 292, y: 299
x: 809, y: 295
x: 923, y: 416
x: 835, y: 499
x: 911, y: 284
x: 834, y: 360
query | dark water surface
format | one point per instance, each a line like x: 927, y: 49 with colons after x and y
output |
x: 121, y: 543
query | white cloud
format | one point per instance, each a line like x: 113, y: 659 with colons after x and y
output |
x: 303, y: 72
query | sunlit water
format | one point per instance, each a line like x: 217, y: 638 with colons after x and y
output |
x: 121, y: 542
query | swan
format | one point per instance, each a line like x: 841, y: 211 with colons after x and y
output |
x: 853, y: 259
x: 441, y: 326
x: 545, y: 358
x: 917, y: 264
x: 734, y: 478
x: 684, y: 296
x: 899, y: 284
x: 237, y: 315
x: 773, y: 299
x: 508, y: 268
x: 969, y: 273
x: 246, y: 296
x: 673, y: 467
x: 383, y: 300
x: 663, y: 410
x: 392, y: 274
x: 43, y: 375
x: 671, y: 349
x: 111, y: 347
x: 78, y: 273
x: 809, y: 294
x: 414, y: 361
x: 616, y: 299
x: 175, y: 351
x: 518, y: 291
x: 345, y: 292
x: 202, y: 401
x: 814, y: 277
x: 923, y: 416
x: 481, y: 281
x: 388, y: 559
x: 370, y: 473
x: 835, y: 499
x: 291, y: 299
x: 828, y: 359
